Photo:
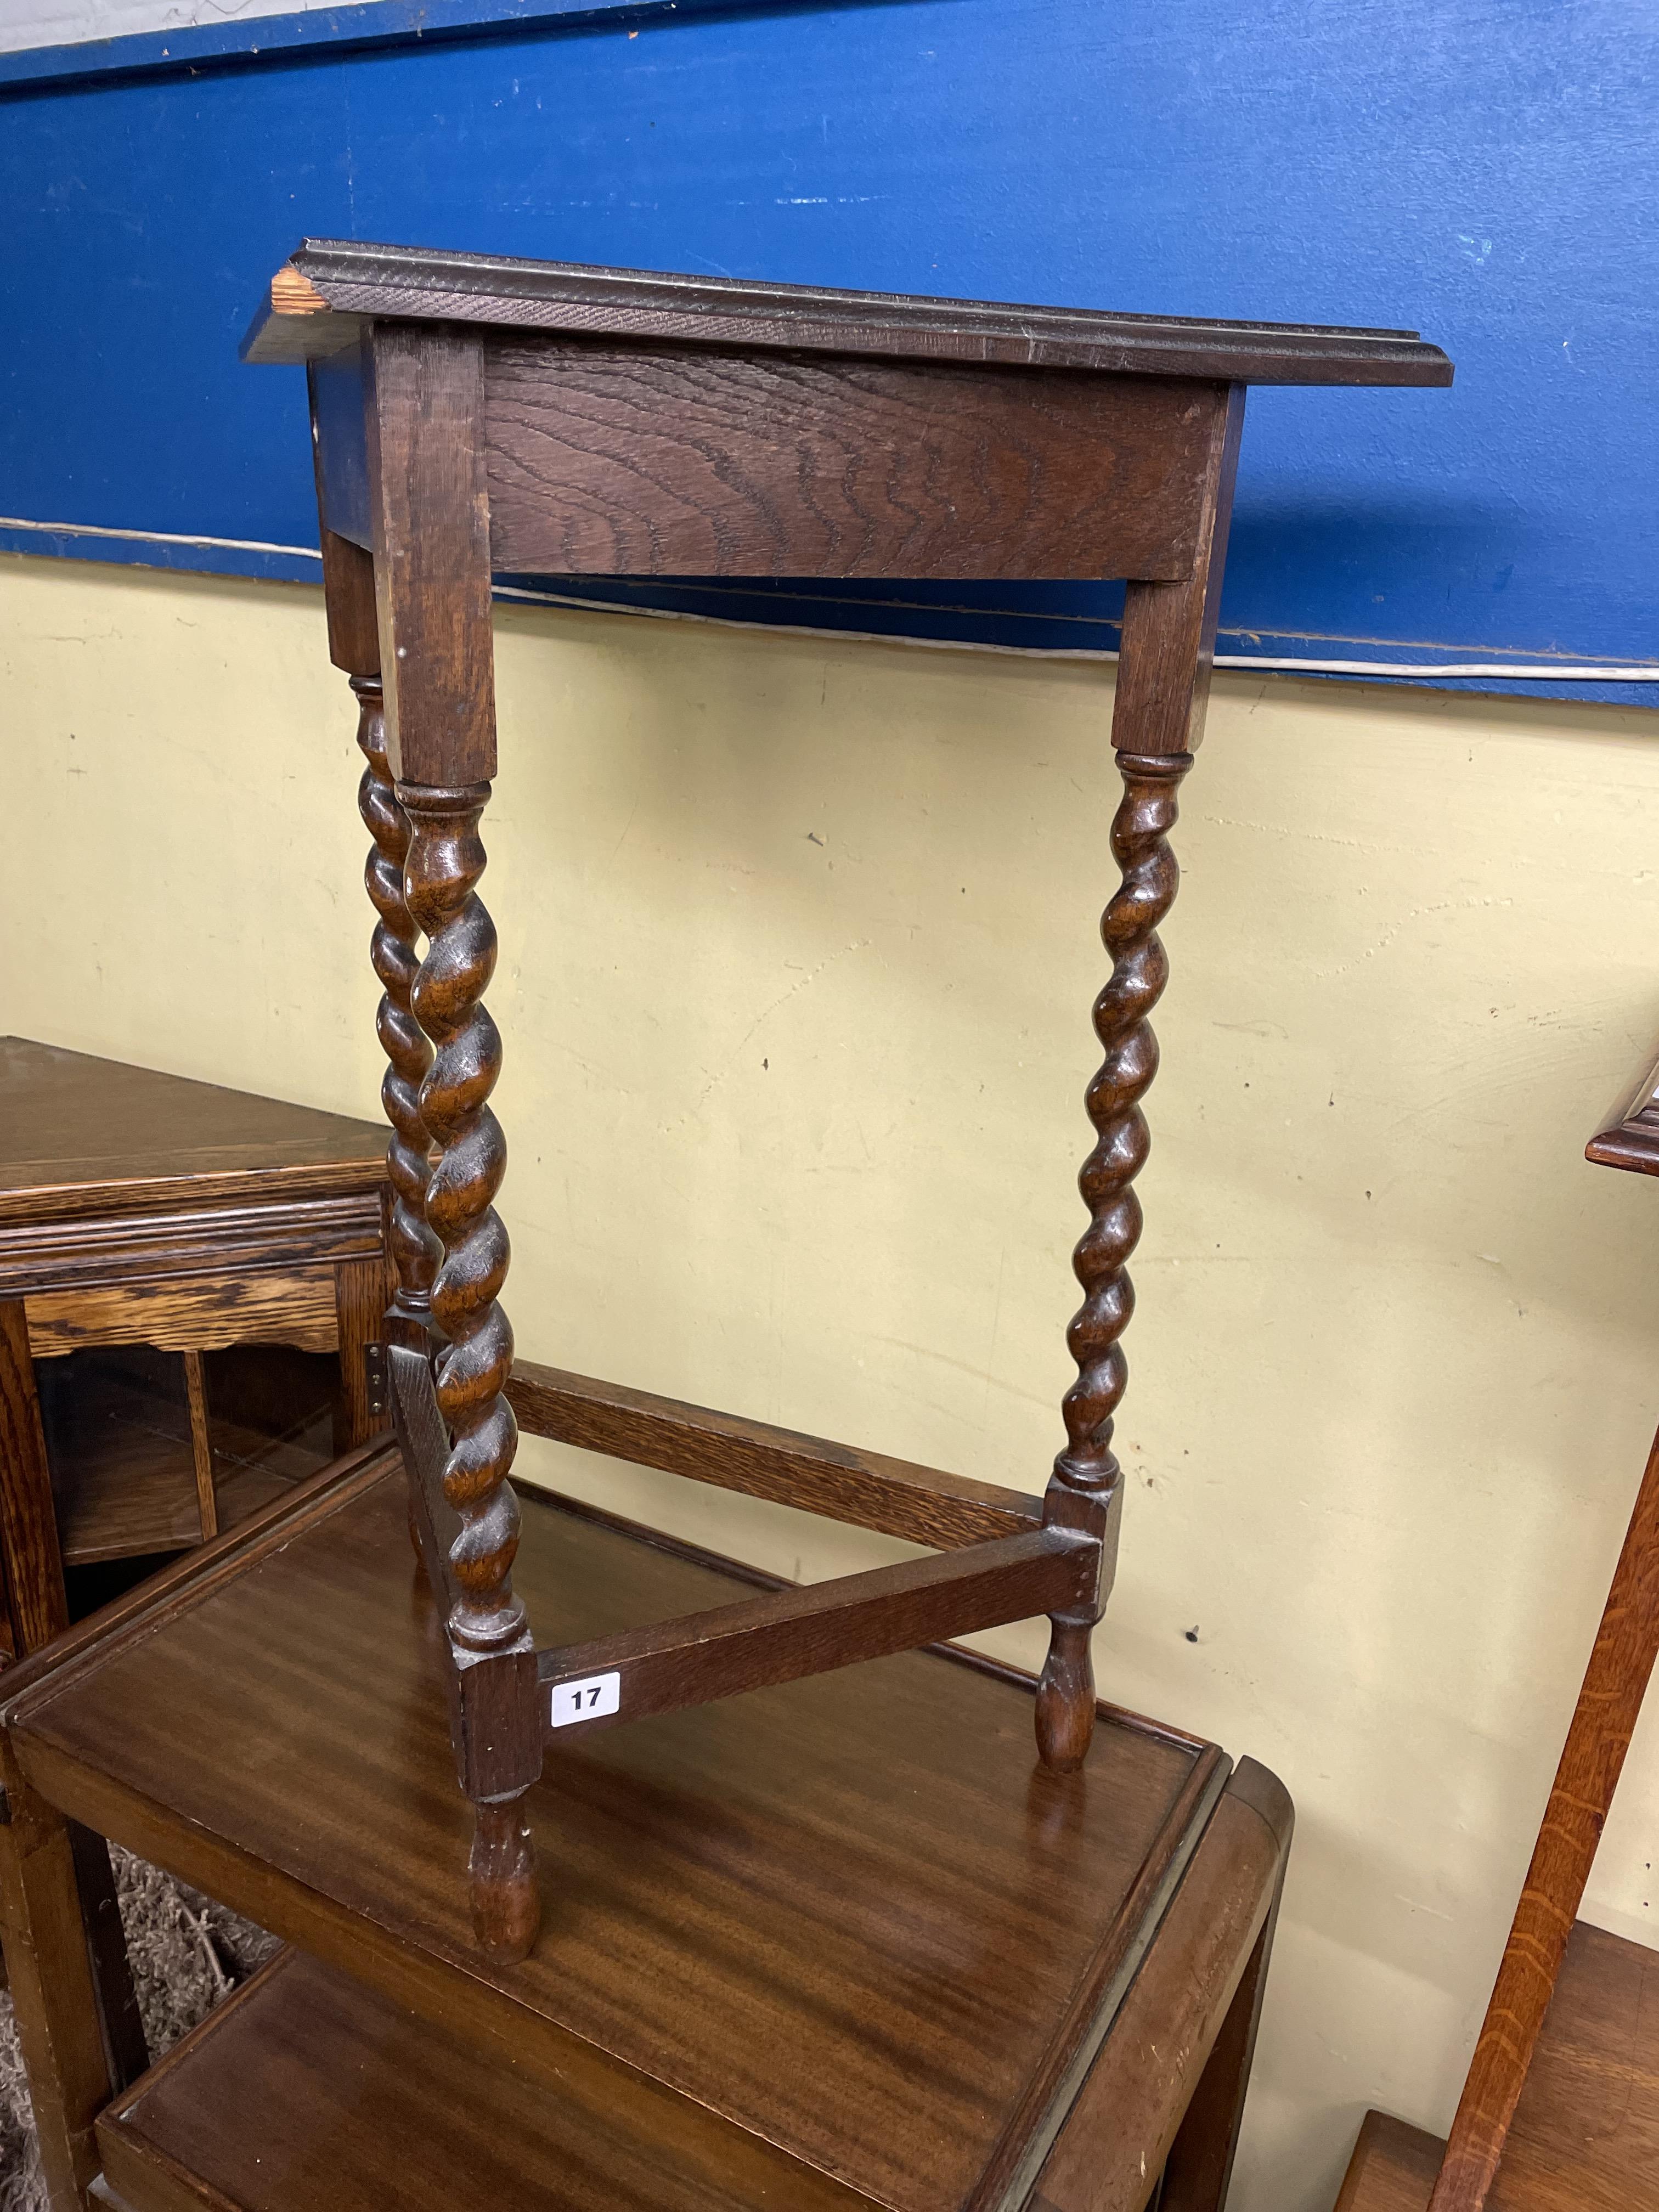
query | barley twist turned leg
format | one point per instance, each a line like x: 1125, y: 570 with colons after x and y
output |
x: 1083, y: 1489
x: 414, y: 1250
x: 446, y: 858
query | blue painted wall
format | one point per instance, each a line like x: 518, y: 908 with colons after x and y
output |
x: 1487, y: 170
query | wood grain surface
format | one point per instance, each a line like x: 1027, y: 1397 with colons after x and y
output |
x: 676, y: 461
x: 201, y: 1446
x: 53, y: 1253
x: 342, y: 2074
x: 866, y: 1490
x: 124, y: 1450
x: 792, y: 1632
x: 429, y: 510
x: 335, y: 2088
x: 80, y: 1135
x: 1168, y: 651
x: 1392, y: 2169
x: 804, y: 1908
x: 1140, y: 2087
x: 1585, y: 2136
x: 295, y: 1307
x: 356, y: 283
x: 1609, y: 1702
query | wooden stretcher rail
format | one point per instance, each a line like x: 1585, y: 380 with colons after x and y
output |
x: 785, y: 1634
x: 864, y: 1489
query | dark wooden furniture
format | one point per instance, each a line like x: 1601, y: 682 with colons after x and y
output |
x: 812, y: 1937
x: 149, y: 1223
x: 474, y: 415
x: 1559, y: 2111
x: 834, y: 1943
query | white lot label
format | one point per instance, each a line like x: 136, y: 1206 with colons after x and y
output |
x: 586, y: 1701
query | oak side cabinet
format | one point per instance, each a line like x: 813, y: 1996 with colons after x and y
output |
x: 189, y: 1278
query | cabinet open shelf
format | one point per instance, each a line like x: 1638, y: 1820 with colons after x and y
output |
x: 323, y: 2072
x: 119, y: 1443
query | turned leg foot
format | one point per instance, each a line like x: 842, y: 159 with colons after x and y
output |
x: 1065, y: 1698
x: 506, y: 1907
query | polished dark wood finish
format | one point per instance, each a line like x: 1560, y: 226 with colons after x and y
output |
x: 674, y: 461
x: 1156, y: 2076
x: 1084, y: 1490
x: 326, y: 2074
x: 81, y: 1138
x: 765, y: 1903
x: 332, y: 289
x: 487, y: 1631
x: 412, y: 1246
x: 147, y: 1253
x: 1585, y: 2136
x: 471, y: 414
x: 444, y: 861
x: 791, y: 1632
x: 1198, y: 2167
x: 326, y: 2077
x: 1157, y: 721
x: 867, y: 1490
x: 143, y: 1209
x: 363, y: 1292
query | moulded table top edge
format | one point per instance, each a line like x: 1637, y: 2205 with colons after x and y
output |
x: 318, y: 300
x: 160, y: 1140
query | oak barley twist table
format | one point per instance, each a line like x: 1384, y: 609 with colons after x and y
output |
x: 846, y: 1954
x: 471, y: 415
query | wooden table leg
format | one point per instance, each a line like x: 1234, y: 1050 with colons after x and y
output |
x: 29, y: 1519
x: 124, y: 2046
x: 1158, y: 722
x: 60, y: 2030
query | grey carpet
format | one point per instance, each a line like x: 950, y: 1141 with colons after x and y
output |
x: 186, y: 1954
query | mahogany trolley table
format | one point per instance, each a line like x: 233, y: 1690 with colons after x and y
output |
x: 736, y: 1928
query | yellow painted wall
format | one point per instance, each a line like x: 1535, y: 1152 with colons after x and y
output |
x: 798, y: 950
